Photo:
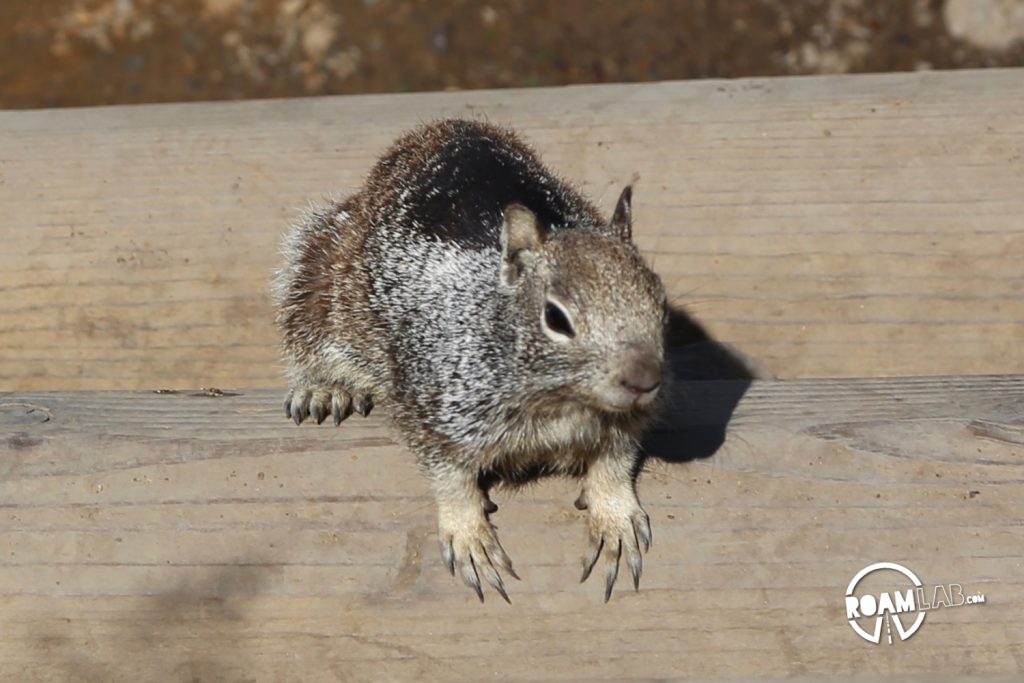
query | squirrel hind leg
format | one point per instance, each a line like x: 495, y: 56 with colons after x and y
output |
x: 469, y: 542
x: 618, y: 526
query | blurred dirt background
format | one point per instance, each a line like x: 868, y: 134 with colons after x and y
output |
x: 58, y: 53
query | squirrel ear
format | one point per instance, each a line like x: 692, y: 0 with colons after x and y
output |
x: 622, y: 220
x: 520, y: 237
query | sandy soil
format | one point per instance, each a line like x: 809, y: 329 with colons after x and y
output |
x: 87, y: 52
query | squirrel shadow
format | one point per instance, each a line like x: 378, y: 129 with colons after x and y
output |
x: 692, y: 424
x: 164, y: 622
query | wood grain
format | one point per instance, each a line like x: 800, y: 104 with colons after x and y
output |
x: 189, y: 536
x: 834, y: 226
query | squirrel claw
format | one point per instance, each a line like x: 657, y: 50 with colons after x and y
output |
x: 611, y: 569
x: 493, y: 578
x: 364, y: 404
x: 591, y: 558
x: 297, y: 404
x: 448, y: 556
x: 341, y: 406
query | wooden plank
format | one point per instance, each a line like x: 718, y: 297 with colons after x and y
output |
x: 185, y: 537
x: 833, y: 226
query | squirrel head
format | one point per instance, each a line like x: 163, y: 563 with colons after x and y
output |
x: 591, y: 313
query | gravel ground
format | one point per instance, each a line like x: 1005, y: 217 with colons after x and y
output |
x: 88, y: 52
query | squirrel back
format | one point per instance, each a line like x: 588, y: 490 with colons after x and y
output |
x: 452, y: 179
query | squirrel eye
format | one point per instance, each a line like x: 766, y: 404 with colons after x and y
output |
x: 556, y: 322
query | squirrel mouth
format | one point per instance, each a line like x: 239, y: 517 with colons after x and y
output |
x: 626, y: 398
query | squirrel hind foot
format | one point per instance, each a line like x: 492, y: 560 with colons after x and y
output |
x: 471, y: 550
x: 618, y: 529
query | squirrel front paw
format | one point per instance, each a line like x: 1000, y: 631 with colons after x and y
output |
x: 617, y: 526
x: 469, y: 545
x: 319, y: 401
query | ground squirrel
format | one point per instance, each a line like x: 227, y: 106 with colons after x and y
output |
x: 512, y: 330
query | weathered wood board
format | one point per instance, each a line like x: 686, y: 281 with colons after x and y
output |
x: 833, y: 226
x: 189, y: 537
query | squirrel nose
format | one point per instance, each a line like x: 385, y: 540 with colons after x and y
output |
x: 641, y: 375
x: 640, y: 388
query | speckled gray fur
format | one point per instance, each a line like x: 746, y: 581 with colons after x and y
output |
x: 433, y: 287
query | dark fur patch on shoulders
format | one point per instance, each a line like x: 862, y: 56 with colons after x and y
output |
x: 452, y: 180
